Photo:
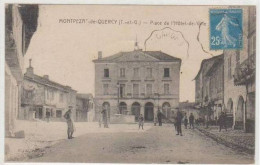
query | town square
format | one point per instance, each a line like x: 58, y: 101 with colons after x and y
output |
x: 92, y: 85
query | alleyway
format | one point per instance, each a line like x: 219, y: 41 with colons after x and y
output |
x: 155, y: 145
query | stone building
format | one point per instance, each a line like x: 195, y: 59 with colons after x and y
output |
x: 240, y: 70
x: 45, y: 99
x: 85, y: 107
x: 188, y: 108
x: 215, y: 78
x: 209, y: 91
x: 135, y: 82
x: 18, y: 32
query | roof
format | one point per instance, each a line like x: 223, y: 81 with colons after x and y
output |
x: 45, y: 81
x: 159, y: 55
x: 186, y: 104
x: 84, y: 95
x: 215, y: 65
x: 207, y: 61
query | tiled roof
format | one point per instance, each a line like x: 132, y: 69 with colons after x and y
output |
x: 154, y: 54
x: 217, y: 62
x: 45, y: 81
x: 206, y: 61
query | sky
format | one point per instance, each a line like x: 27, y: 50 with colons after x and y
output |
x: 65, y: 51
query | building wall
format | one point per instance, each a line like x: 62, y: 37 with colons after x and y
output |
x: 230, y: 90
x: 157, y: 80
x: 11, y: 101
x: 13, y: 71
x: 45, y: 97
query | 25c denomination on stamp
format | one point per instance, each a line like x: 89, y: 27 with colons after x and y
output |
x: 226, y: 30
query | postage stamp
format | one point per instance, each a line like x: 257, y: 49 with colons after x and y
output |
x: 226, y: 30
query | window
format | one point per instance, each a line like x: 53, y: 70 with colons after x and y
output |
x: 135, y: 90
x: 136, y: 72
x: 166, y: 89
x: 238, y: 57
x: 166, y: 72
x: 61, y: 97
x: 105, y: 89
x: 58, y: 113
x: 122, y: 72
x: 122, y: 90
x: 149, y: 72
x: 149, y: 89
x: 106, y: 72
x: 28, y: 94
x: 229, y: 68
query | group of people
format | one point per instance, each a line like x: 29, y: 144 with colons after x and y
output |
x: 177, y: 121
x: 190, y: 121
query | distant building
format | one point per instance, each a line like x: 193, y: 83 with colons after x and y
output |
x: 18, y: 32
x: 45, y: 99
x: 240, y: 68
x: 137, y: 82
x: 209, y: 91
x: 188, y: 108
x: 85, y: 107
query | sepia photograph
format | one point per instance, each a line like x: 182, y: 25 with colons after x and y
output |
x: 164, y: 84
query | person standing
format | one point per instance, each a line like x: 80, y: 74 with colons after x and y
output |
x: 222, y: 122
x: 191, y: 120
x: 159, y: 117
x: 68, y: 117
x: 185, y: 121
x: 178, y: 122
x: 141, y: 121
x: 104, y: 116
x: 100, y: 120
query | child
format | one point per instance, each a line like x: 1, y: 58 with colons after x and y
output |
x: 141, y: 121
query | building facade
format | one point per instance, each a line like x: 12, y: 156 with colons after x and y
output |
x: 18, y: 32
x: 85, y: 107
x: 45, y: 99
x: 215, y: 78
x: 244, y: 71
x: 137, y: 82
x: 209, y: 88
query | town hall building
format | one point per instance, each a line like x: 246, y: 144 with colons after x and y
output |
x: 137, y: 82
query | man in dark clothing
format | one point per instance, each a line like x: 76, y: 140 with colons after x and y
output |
x: 70, y: 124
x: 222, y: 121
x: 178, y: 122
x: 159, y: 117
x: 191, y: 121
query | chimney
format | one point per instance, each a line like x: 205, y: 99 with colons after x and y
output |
x: 99, y: 54
x: 29, y: 70
x: 46, y: 77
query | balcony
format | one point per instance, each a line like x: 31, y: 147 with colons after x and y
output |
x: 245, y: 72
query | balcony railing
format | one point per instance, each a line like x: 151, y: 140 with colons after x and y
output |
x: 245, y: 72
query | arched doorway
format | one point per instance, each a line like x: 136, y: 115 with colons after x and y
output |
x: 230, y: 106
x: 148, y: 110
x: 136, y: 110
x: 240, y: 113
x: 122, y: 108
x: 166, y: 109
x: 106, y: 106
